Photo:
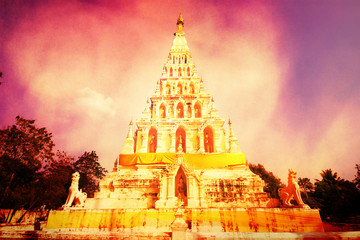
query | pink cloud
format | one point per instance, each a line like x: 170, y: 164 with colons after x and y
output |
x: 88, y: 69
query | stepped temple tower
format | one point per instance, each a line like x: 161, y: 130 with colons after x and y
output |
x: 180, y: 150
x: 179, y: 155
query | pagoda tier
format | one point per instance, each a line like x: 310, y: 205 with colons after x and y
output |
x: 180, y: 113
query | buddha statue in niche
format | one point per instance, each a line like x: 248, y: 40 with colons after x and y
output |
x: 162, y: 112
x: 180, y: 112
x: 208, y: 143
x: 182, y: 190
x: 189, y: 111
x: 181, y: 144
x: 152, y: 143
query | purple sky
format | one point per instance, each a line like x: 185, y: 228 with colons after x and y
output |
x: 287, y: 73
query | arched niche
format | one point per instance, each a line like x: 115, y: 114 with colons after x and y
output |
x: 208, y: 139
x: 180, y: 110
x: 180, y: 139
x: 188, y: 71
x: 135, y: 139
x: 197, y: 109
x: 168, y: 88
x: 181, y: 186
x: 180, y: 71
x: 153, y: 111
x: 192, y: 88
x: 179, y: 88
x: 152, y: 140
x: 188, y: 111
x: 171, y: 72
x: 111, y: 186
x: 162, y: 111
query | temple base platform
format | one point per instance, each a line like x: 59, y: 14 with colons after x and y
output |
x: 198, y: 220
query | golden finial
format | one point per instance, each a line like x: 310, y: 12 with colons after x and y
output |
x: 180, y: 23
x: 180, y: 20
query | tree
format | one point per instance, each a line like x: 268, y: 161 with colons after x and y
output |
x: 25, y: 152
x: 305, y: 184
x: 90, y: 172
x: 59, y: 174
x: 272, y: 183
x: 307, y: 188
x: 337, y: 198
x: 28, y: 144
x: 31, y: 175
x: 58, y: 180
x: 357, y: 176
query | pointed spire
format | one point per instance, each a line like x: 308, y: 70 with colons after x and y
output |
x: 128, y: 147
x: 130, y: 133
x: 233, y: 143
x: 157, y: 91
x: 115, y: 165
x: 180, y: 23
x: 231, y: 129
x: 179, y: 43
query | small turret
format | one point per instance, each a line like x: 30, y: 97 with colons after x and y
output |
x: 231, y: 132
x: 130, y: 132
x: 129, y: 141
x: 233, y: 142
x: 115, y: 165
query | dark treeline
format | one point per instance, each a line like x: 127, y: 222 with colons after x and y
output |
x: 336, y: 198
x: 32, y: 176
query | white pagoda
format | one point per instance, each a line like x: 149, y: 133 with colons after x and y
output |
x: 180, y: 151
x: 180, y: 169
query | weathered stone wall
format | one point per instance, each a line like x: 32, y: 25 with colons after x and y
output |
x: 30, y: 216
x: 167, y: 236
x: 199, y: 220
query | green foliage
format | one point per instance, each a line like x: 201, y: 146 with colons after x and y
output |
x: 272, y: 183
x: 31, y: 175
x: 357, y: 176
x: 59, y: 176
x: 26, y: 143
x: 58, y: 180
x: 305, y: 184
x: 25, y: 152
x: 307, y: 190
x: 338, y: 199
x: 90, y: 172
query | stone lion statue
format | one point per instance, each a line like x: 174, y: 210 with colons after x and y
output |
x: 292, y: 190
x: 75, y: 196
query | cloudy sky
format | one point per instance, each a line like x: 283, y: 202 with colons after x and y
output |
x: 287, y: 73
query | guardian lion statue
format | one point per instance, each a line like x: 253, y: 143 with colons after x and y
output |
x: 75, y: 196
x: 291, y: 191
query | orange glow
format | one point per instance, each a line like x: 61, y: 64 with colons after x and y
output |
x: 87, y: 69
